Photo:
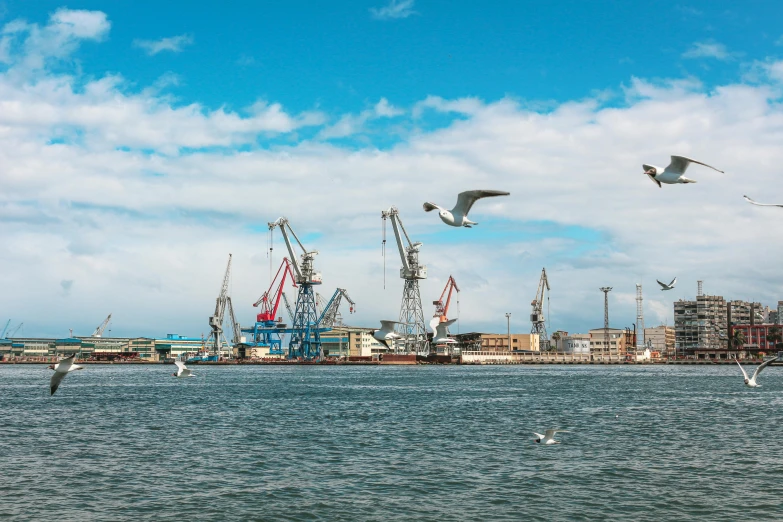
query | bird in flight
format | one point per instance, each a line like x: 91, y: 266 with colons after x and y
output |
x: 664, y: 286
x: 751, y: 382
x: 760, y: 204
x: 61, y: 369
x: 549, y: 438
x: 458, y: 216
x: 182, y: 370
x: 673, y: 174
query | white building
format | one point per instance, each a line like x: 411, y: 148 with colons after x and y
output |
x: 574, y: 343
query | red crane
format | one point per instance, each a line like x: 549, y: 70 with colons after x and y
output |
x: 442, y: 310
x: 269, y: 310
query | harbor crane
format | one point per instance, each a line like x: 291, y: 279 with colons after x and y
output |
x: 99, y: 331
x: 5, y: 329
x: 288, y: 307
x: 305, y: 340
x: 331, y: 314
x: 269, y: 302
x: 441, y: 309
x: 413, y: 334
x: 537, y: 312
x: 15, y: 330
x: 216, y: 319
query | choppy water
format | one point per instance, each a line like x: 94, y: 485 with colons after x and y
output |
x: 391, y: 443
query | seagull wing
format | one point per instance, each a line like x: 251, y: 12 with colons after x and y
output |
x: 551, y: 433
x: 762, y: 366
x: 185, y: 372
x: 680, y: 164
x: 428, y: 207
x: 741, y: 368
x: 663, y: 285
x: 760, y: 204
x: 57, y: 378
x: 466, y: 199
x: 673, y: 281
x: 538, y: 435
x: 65, y: 365
x: 655, y: 180
x: 181, y: 365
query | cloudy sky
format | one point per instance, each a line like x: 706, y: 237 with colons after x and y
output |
x: 142, y: 142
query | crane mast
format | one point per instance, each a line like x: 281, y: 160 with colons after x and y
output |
x: 537, y: 313
x: 411, y: 328
x: 305, y: 340
x: 216, y: 320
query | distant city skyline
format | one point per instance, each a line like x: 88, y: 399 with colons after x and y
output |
x: 142, y: 143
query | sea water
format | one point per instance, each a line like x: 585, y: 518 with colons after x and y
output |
x: 379, y: 443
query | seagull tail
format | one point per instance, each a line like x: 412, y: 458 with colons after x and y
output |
x: 428, y: 207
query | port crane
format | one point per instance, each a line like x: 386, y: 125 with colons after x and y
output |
x: 216, y: 320
x: 537, y: 313
x: 441, y: 309
x: 331, y: 314
x: 305, y: 340
x: 413, y: 334
x: 5, y: 329
x: 288, y: 307
x: 270, y: 300
x: 99, y: 331
x: 15, y: 330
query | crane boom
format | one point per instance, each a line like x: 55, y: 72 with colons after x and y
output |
x: 269, y: 310
x: 288, y: 307
x: 15, y: 330
x: 99, y: 331
x: 329, y: 315
x: 537, y: 313
x: 305, y: 273
x: 409, y: 255
x: 2, y: 335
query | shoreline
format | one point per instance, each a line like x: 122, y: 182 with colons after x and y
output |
x: 698, y: 362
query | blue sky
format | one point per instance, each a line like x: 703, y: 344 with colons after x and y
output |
x: 142, y: 142
x: 337, y: 56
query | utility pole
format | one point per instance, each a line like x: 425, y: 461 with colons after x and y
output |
x: 606, y: 290
x: 508, y: 330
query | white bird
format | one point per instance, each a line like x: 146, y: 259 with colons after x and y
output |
x: 760, y: 204
x: 61, y: 369
x: 458, y: 216
x: 751, y: 383
x: 549, y: 438
x: 664, y: 286
x: 673, y: 174
x: 441, y: 331
x: 182, y: 370
x: 386, y: 333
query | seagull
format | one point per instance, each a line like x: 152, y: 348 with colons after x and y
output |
x: 441, y: 334
x: 458, y: 216
x: 673, y: 174
x: 549, y: 438
x: 182, y: 370
x: 760, y: 204
x: 751, y: 383
x: 386, y: 333
x: 664, y: 286
x: 61, y: 369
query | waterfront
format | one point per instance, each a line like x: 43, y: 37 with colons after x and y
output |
x: 386, y: 443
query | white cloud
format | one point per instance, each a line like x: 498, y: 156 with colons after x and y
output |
x: 174, y: 44
x: 395, y: 9
x: 101, y: 186
x: 709, y: 50
x: 351, y: 124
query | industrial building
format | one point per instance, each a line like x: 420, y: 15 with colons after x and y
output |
x: 144, y: 348
x: 617, y: 343
x: 351, y: 341
x: 489, y: 342
x: 660, y: 339
x: 572, y: 343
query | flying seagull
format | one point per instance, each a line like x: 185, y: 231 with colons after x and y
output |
x: 673, y: 174
x: 664, y: 286
x: 751, y: 383
x: 386, y: 333
x: 182, y: 370
x: 760, y: 204
x: 441, y: 332
x: 61, y: 369
x: 549, y: 438
x: 458, y: 216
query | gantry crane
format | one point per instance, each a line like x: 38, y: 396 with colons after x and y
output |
x: 305, y: 340
x: 537, y: 313
x: 331, y: 314
x: 99, y: 331
x: 441, y: 309
x: 413, y: 333
x: 216, y: 319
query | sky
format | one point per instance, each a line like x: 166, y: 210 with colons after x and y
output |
x: 141, y: 143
